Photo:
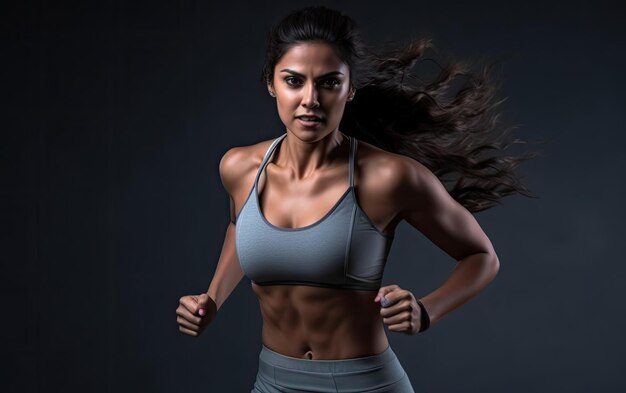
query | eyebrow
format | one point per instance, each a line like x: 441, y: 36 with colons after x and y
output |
x: 299, y: 74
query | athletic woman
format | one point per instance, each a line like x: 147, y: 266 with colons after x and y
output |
x: 314, y: 209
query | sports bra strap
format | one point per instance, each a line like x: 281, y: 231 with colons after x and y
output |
x: 271, y: 148
x: 267, y: 156
x: 352, y: 159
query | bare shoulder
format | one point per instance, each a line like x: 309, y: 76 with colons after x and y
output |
x: 382, y: 181
x: 397, y: 187
x: 386, y: 174
x: 239, y: 165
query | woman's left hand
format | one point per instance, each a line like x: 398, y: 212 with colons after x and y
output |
x: 403, y: 313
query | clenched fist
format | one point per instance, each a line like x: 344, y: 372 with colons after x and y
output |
x: 194, y: 313
x: 400, y: 310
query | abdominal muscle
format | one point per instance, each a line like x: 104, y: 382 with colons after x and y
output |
x: 320, y: 323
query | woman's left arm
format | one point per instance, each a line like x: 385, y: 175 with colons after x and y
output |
x: 426, y: 205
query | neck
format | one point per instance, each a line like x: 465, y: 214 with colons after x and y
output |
x: 305, y: 158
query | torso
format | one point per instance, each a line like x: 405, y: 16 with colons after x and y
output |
x: 320, y: 323
x: 313, y: 322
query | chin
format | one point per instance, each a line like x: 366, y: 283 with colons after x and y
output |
x: 308, y: 135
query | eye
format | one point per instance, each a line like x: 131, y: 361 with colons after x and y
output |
x: 337, y: 82
x: 295, y: 82
x: 289, y: 80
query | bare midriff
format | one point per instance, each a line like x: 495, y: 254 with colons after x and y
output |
x: 320, y: 323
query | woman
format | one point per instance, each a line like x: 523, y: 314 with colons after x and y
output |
x: 313, y: 211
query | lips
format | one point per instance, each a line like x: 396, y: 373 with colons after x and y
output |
x: 309, y: 118
x: 309, y: 123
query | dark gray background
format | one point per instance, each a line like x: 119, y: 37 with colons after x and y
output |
x: 116, y: 115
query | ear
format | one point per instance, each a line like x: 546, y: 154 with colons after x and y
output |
x: 351, y: 92
x: 270, y: 89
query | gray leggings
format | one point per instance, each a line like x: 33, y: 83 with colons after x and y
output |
x: 372, y: 374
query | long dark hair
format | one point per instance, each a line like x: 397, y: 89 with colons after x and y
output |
x: 447, y: 135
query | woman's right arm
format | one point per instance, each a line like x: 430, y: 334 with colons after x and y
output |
x: 228, y: 272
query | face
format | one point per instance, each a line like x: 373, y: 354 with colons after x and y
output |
x: 311, y: 80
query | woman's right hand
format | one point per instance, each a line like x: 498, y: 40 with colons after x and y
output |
x: 194, y: 313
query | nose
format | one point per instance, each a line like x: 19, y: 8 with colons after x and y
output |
x: 310, y: 99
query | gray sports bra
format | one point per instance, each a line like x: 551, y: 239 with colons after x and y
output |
x: 341, y: 250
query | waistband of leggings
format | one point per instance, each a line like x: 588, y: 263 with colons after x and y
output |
x: 322, y: 365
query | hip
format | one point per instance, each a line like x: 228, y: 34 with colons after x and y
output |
x: 372, y: 374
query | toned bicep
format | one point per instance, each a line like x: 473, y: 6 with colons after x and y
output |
x: 429, y: 208
x: 230, y: 175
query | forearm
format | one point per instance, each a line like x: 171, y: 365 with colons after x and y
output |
x: 470, y: 276
x: 228, y: 272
